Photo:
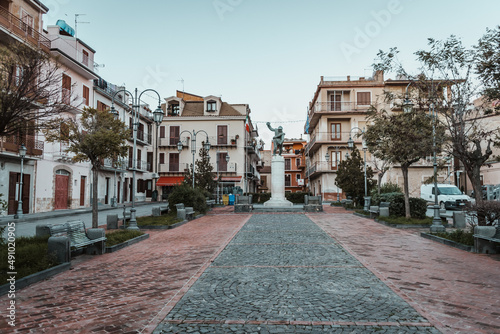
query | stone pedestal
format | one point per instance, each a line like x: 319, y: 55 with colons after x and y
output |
x: 278, y: 183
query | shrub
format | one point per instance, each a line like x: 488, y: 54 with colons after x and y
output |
x: 296, y: 198
x: 460, y: 236
x: 418, y: 206
x: 484, y: 212
x: 190, y: 197
x: 386, y: 188
x: 259, y: 198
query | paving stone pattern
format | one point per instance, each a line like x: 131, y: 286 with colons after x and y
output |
x: 283, y: 274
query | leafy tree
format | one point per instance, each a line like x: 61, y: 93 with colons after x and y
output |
x: 204, y: 176
x: 351, y: 177
x: 381, y: 167
x: 447, y: 82
x: 96, y: 136
x: 402, y: 139
x: 487, y: 64
x: 30, y: 89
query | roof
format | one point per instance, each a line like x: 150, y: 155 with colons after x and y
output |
x: 195, y: 108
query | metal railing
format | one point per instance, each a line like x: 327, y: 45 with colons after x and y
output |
x: 12, y: 143
x: 21, y: 29
x: 339, y: 106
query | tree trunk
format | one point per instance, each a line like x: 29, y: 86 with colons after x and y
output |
x: 95, y: 221
x: 474, y: 175
x: 404, y: 170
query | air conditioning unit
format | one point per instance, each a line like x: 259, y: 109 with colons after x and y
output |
x: 232, y: 167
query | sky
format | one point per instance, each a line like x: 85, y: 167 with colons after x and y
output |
x: 269, y: 54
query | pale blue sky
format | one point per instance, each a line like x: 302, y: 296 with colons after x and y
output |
x: 267, y: 53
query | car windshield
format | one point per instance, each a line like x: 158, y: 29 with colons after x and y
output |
x: 449, y: 191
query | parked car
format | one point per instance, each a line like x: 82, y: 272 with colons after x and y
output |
x: 449, y: 196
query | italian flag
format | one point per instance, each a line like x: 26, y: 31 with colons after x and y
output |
x: 247, y: 123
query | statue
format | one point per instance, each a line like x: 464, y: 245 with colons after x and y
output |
x: 278, y: 139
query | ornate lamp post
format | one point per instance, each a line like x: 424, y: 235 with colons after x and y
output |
x: 437, y: 225
x: 19, y: 213
x: 157, y: 118
x: 136, y: 104
x: 206, y: 145
x: 350, y: 144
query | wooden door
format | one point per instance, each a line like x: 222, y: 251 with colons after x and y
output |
x: 82, y: 190
x: 13, y: 193
x: 118, y: 190
x: 61, y: 193
x: 106, y: 197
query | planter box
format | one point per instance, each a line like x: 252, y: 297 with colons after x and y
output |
x: 447, y: 242
x: 36, y: 277
x: 135, y: 240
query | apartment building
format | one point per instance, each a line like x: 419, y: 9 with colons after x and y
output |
x: 21, y: 21
x: 338, y: 112
x: 115, y: 177
x: 192, y: 120
x: 295, y: 164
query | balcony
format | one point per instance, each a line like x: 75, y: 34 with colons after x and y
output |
x: 329, y: 108
x: 11, y: 144
x: 142, y: 137
x: 325, y: 138
x: 227, y: 141
x: 318, y: 168
x: 168, y: 142
x: 15, y: 26
x: 141, y: 165
x: 112, y: 165
x: 174, y: 168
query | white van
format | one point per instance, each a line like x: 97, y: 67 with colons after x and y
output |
x: 449, y: 196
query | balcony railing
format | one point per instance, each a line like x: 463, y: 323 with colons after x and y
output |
x: 224, y: 141
x: 22, y: 30
x: 339, y: 106
x: 174, y: 168
x: 140, y: 166
x: 12, y: 143
x: 141, y: 136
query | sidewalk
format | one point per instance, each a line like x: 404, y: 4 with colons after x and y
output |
x: 69, y: 212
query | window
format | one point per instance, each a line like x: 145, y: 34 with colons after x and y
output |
x: 173, y: 162
x: 66, y: 89
x: 162, y: 158
x: 174, y: 135
x: 297, y: 177
x: 222, y: 161
x: 211, y: 106
x: 162, y: 132
x: 102, y: 106
x: 27, y: 24
x: 288, y: 164
x: 85, y: 58
x: 221, y: 134
x: 86, y: 93
x: 335, y: 101
x: 288, y: 181
x: 263, y: 180
x: 297, y: 161
x: 336, y: 131
x: 173, y: 109
x: 364, y: 98
x: 336, y: 159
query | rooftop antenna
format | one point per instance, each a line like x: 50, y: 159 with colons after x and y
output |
x: 76, y: 21
x: 182, y: 80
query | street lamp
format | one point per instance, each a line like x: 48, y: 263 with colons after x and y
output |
x: 436, y: 226
x: 350, y: 144
x: 19, y: 213
x: 136, y: 105
x: 157, y: 118
x: 407, y: 105
x: 227, y: 160
x: 206, y: 145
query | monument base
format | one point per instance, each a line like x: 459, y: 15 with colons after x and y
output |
x: 278, y: 199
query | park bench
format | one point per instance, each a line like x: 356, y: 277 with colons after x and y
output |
x: 184, y: 213
x: 487, y: 239
x: 382, y: 210
x: 159, y: 210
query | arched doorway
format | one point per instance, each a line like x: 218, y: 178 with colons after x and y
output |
x: 61, y: 189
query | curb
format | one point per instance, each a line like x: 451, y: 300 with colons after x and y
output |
x: 36, y: 277
x: 447, y: 242
x: 135, y: 240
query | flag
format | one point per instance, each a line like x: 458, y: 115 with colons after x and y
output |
x: 247, y: 123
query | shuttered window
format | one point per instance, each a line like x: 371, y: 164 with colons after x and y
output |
x: 363, y: 98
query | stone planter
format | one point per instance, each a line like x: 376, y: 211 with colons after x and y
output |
x: 135, y: 240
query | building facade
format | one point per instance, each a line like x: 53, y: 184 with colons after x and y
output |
x: 192, y: 120
x: 295, y: 163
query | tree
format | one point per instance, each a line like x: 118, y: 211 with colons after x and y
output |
x: 487, y: 64
x: 351, y: 178
x: 402, y: 139
x: 30, y: 89
x: 96, y: 136
x: 447, y: 82
x: 381, y: 167
x: 204, y: 177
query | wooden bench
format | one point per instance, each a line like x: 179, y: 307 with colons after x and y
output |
x: 487, y: 239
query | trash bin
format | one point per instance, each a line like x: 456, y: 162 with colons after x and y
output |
x: 225, y: 199
x: 231, y: 199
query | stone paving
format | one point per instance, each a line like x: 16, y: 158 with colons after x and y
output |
x: 283, y: 274
x: 328, y: 272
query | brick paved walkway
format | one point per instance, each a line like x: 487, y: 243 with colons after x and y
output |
x: 329, y: 272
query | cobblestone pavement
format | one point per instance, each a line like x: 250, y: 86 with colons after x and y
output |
x: 283, y: 274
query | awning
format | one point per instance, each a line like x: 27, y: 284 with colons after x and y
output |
x: 169, y: 180
x: 230, y: 178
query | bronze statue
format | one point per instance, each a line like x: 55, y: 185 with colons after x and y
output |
x: 278, y: 139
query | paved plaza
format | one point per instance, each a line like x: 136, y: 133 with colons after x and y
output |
x: 328, y: 272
